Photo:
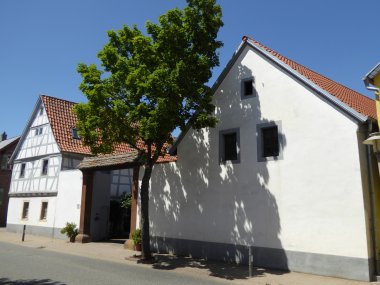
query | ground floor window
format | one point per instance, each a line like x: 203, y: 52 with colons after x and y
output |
x: 25, y: 211
x: 44, y: 207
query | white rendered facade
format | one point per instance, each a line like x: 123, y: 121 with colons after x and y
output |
x: 305, y: 210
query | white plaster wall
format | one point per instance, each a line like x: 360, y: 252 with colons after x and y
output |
x: 310, y: 201
x: 16, y: 206
x: 69, y: 198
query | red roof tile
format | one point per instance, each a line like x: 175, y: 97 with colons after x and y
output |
x: 62, y: 119
x: 360, y: 103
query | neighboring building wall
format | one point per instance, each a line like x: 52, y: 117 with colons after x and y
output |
x: 5, y: 180
x: 37, y: 183
x: 304, y: 211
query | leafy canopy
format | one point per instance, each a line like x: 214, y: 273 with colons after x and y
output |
x: 149, y: 84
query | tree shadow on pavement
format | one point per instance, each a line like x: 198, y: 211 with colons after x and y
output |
x: 228, y: 271
x: 6, y: 281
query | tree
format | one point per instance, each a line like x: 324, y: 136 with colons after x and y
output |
x: 150, y: 84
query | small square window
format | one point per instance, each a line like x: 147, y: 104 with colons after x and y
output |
x: 248, y: 88
x: 40, y: 130
x: 41, y: 111
x: 36, y: 132
x: 269, y: 141
x: 22, y: 170
x: 25, y: 211
x: 44, y: 207
x: 45, y: 165
x: 74, y: 133
x: 3, y: 162
x: 229, y: 146
x: 230, y: 149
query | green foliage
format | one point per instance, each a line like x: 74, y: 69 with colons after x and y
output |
x: 136, y: 237
x: 149, y: 84
x: 70, y: 230
x: 126, y: 201
x: 154, y: 80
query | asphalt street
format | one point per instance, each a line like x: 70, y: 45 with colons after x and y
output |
x: 24, y: 265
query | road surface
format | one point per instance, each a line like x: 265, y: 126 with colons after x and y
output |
x: 25, y: 265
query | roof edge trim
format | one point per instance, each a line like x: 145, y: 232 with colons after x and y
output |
x: 356, y: 115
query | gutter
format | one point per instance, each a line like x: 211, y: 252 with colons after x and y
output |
x: 367, y: 82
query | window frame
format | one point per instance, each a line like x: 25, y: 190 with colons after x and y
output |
x: 243, y: 88
x: 43, y: 172
x: 222, y: 145
x: 22, y: 170
x: 260, y: 141
x: 25, y: 213
x: 74, y: 133
x: 44, y: 210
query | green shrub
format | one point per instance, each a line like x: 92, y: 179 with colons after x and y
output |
x: 136, y: 237
x: 70, y: 230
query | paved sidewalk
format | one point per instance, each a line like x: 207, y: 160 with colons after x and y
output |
x: 228, y: 273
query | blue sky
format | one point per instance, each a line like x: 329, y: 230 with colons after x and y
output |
x: 43, y: 41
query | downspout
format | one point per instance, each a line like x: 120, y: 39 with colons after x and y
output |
x: 372, y: 201
x: 371, y: 88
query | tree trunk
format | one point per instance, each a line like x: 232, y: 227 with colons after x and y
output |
x: 146, y: 254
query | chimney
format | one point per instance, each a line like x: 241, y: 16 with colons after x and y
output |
x: 3, y: 136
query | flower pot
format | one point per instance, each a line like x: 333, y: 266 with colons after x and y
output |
x: 138, y: 247
x: 72, y: 239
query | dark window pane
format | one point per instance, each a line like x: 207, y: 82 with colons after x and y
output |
x: 74, y: 133
x: 270, y: 141
x: 248, y: 87
x: 44, y: 207
x: 230, y: 149
x: 22, y: 171
x: 45, y: 167
x: 25, y: 210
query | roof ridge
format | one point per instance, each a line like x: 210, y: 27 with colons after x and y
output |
x: 329, y: 85
x: 60, y: 99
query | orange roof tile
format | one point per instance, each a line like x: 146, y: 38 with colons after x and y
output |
x: 62, y: 119
x: 360, y: 103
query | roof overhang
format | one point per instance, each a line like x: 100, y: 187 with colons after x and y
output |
x: 110, y: 161
x: 372, y: 73
x: 369, y: 79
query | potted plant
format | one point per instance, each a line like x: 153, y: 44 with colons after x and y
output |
x: 136, y: 237
x: 71, y: 231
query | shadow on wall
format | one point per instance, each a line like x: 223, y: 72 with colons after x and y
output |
x: 201, y: 207
x: 6, y: 281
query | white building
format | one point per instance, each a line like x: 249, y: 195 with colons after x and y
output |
x: 46, y: 185
x: 284, y: 172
